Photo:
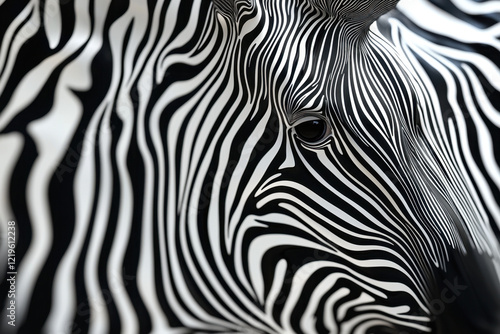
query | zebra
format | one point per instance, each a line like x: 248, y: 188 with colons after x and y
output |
x: 250, y: 166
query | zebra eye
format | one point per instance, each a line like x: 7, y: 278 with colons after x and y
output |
x: 312, y: 130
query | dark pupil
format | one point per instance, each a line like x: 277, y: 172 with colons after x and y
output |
x: 311, y: 131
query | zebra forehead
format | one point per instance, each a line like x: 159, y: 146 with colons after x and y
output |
x: 304, y: 56
x: 327, y: 73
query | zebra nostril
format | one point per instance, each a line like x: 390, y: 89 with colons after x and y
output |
x: 312, y: 130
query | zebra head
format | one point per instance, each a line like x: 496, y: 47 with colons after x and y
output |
x: 322, y: 194
x: 258, y: 166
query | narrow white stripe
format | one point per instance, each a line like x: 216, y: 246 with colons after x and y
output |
x: 97, y: 304
x: 52, y: 22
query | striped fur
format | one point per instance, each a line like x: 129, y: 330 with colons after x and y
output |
x: 154, y: 159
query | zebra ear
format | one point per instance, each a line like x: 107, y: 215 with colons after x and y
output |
x: 360, y: 11
x: 354, y: 9
x: 224, y: 7
x: 364, y: 11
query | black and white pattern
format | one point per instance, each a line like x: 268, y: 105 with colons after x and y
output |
x: 251, y: 166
